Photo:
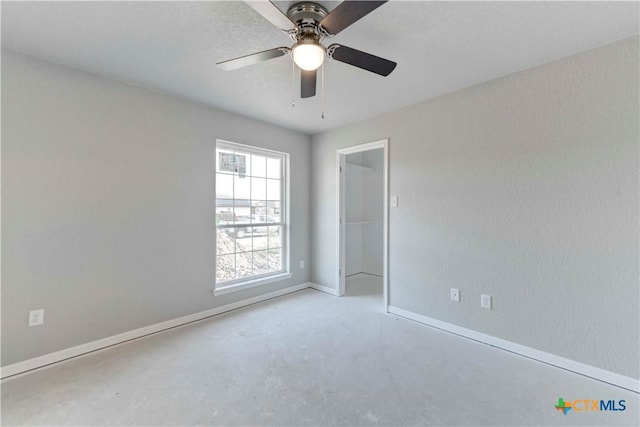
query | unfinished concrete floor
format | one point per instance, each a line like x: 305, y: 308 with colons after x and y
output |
x: 306, y: 359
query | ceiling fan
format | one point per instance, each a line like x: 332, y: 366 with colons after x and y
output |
x: 307, y: 24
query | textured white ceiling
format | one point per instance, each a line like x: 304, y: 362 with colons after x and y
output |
x: 439, y: 47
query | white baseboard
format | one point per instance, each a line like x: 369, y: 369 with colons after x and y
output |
x: 83, y: 349
x: 625, y: 382
x: 325, y: 289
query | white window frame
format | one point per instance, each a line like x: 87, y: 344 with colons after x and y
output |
x: 262, y: 279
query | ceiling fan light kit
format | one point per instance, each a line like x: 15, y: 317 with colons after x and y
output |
x: 308, y: 54
x: 307, y: 24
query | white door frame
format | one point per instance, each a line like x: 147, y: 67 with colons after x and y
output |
x: 341, y: 213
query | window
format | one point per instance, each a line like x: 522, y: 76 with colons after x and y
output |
x: 251, y: 220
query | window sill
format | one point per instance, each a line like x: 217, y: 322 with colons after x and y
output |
x: 251, y: 283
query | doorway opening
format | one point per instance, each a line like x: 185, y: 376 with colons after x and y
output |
x: 362, y: 217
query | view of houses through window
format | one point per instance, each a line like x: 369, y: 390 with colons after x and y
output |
x: 250, y: 220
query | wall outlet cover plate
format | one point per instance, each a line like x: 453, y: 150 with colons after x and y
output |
x: 36, y: 317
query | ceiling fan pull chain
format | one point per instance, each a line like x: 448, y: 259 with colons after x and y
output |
x: 293, y: 82
x: 322, y: 88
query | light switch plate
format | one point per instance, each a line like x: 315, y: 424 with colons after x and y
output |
x: 394, y: 201
x: 485, y: 301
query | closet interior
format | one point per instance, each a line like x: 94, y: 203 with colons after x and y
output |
x: 364, y: 212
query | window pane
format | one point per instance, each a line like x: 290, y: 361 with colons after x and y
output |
x: 258, y: 166
x: 258, y: 208
x: 259, y: 217
x: 259, y: 189
x: 275, y: 237
x: 260, y: 262
x: 242, y: 187
x: 221, y: 156
x: 243, y: 238
x: 224, y: 212
x: 247, y: 170
x: 274, y: 168
x: 242, y: 212
x: 224, y: 186
x: 225, y: 268
x: 225, y: 242
x: 273, y: 189
x: 275, y: 259
x: 260, y: 241
x: 274, y: 211
x: 244, y: 264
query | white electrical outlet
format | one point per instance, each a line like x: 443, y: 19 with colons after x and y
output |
x: 301, y: 264
x: 394, y: 201
x: 455, y: 294
x: 36, y: 317
x: 485, y: 301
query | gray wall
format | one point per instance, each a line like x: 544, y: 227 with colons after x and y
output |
x: 108, y: 205
x: 525, y: 188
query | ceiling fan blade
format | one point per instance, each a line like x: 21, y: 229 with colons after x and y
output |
x: 346, y: 13
x: 271, y: 12
x: 254, y: 58
x: 360, y: 59
x: 308, y: 83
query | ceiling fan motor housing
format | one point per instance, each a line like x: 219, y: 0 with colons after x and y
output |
x: 307, y: 17
x: 306, y: 10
